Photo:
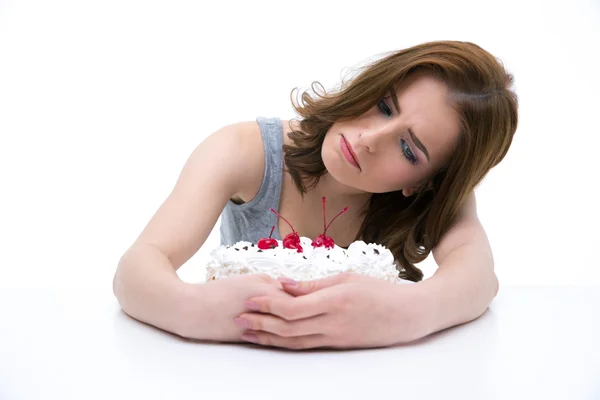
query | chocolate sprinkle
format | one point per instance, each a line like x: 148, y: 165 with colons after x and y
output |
x: 327, y: 255
x: 236, y: 249
x: 252, y: 245
x: 259, y: 251
x: 376, y: 251
x: 364, y: 252
x: 305, y: 257
x: 245, y: 247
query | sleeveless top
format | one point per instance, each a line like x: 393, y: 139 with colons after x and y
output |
x: 252, y: 221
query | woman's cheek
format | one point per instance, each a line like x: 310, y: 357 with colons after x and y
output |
x: 393, y: 177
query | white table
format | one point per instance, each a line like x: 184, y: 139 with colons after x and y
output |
x: 533, y: 343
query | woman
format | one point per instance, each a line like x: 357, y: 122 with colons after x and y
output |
x: 403, y: 144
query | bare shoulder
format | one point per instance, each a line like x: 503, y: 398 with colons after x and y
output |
x: 226, y: 163
x: 245, y: 142
x: 250, y: 148
x: 237, y: 151
x: 466, y: 229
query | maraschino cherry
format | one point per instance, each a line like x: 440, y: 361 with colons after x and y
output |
x: 291, y: 240
x: 268, y: 243
x: 323, y: 240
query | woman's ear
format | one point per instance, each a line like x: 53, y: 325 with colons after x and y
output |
x: 410, y: 191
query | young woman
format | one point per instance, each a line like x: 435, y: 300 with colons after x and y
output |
x: 403, y: 144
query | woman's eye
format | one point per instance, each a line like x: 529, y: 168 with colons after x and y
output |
x: 383, y: 107
x: 408, y: 153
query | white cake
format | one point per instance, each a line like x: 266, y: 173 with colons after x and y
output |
x: 312, y: 263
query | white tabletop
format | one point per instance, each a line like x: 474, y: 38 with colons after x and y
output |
x: 533, y: 343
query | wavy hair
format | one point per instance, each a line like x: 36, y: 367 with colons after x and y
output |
x: 479, y: 90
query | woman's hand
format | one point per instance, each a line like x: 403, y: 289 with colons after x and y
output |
x: 342, y: 311
x: 210, y: 308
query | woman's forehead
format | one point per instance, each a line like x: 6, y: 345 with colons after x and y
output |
x: 424, y: 106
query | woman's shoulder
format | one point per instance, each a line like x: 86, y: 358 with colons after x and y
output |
x: 250, y: 131
x: 246, y: 145
x: 251, y: 146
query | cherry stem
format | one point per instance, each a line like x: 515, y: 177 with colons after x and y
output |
x: 288, y: 222
x: 324, y: 218
x: 272, y: 229
x: 340, y: 213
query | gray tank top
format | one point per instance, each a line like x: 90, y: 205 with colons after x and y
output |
x: 252, y: 221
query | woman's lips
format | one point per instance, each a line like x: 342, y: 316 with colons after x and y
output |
x: 348, y: 152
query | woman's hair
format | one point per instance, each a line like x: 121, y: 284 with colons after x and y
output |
x: 479, y: 90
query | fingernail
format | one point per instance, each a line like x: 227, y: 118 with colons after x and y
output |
x: 242, y: 323
x: 250, y: 337
x: 252, y: 306
x: 288, y: 281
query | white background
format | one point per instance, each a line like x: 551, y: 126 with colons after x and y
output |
x: 101, y: 102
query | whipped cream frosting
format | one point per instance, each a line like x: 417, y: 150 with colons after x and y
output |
x: 313, y: 263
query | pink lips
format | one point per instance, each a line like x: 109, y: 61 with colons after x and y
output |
x: 348, y: 152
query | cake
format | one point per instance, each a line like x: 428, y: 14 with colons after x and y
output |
x: 301, y: 258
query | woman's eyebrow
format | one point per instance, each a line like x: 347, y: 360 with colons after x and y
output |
x: 418, y: 143
x: 414, y: 137
x: 395, y: 101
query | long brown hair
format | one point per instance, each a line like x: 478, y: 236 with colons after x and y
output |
x: 480, y: 93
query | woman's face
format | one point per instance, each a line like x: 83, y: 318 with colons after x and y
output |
x: 386, y: 149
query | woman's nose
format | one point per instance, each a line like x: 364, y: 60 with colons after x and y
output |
x: 371, y: 140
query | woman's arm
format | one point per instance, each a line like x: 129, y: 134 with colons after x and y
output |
x: 227, y: 163
x: 465, y: 283
x: 352, y: 310
x: 148, y: 288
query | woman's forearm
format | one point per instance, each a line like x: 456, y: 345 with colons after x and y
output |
x: 148, y: 288
x: 462, y: 288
